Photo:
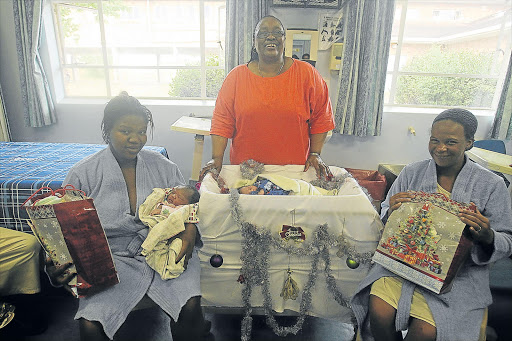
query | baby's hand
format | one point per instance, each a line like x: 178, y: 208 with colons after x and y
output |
x: 156, y: 211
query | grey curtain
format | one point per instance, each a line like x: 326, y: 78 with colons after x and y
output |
x: 367, y: 35
x: 502, y: 126
x: 242, y: 16
x: 38, y: 105
x: 5, y: 134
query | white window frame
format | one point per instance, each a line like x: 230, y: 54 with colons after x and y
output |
x: 396, y: 73
x: 60, y: 64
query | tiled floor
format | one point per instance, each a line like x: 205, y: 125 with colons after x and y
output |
x: 152, y: 324
x: 227, y: 328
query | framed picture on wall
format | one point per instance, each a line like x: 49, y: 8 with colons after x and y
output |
x: 329, y: 4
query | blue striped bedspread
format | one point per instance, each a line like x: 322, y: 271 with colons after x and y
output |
x: 27, y: 166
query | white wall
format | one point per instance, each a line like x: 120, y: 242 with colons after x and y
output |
x: 81, y: 123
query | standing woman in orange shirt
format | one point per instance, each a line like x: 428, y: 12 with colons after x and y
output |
x: 275, y: 109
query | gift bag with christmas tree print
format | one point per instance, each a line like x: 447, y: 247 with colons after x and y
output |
x: 425, y: 242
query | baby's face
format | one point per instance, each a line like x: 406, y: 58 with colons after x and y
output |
x: 178, y: 196
x: 248, y: 189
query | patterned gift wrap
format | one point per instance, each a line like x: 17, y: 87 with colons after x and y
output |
x: 71, y: 232
x: 424, y: 241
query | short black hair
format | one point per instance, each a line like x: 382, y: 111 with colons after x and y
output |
x: 120, y: 106
x: 462, y: 116
x: 192, y: 193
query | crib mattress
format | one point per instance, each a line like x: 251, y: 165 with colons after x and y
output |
x: 349, y: 213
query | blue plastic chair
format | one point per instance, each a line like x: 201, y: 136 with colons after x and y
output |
x: 497, y: 146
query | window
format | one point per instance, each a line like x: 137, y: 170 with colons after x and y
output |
x: 158, y: 49
x: 448, y: 53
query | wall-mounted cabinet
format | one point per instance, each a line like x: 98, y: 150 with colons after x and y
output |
x: 336, y: 56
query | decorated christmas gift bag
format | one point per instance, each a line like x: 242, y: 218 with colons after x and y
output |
x: 425, y: 242
x: 67, y: 225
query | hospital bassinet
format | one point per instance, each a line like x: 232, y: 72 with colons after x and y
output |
x: 349, y: 216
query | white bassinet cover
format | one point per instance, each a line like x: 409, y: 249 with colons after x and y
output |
x: 349, y: 213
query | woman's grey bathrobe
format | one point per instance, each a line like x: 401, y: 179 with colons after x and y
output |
x: 458, y: 313
x: 100, y: 177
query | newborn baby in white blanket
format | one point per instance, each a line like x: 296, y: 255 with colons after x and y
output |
x: 288, y: 185
x: 166, y: 211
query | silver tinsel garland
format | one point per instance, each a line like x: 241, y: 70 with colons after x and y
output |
x: 256, y: 245
x: 250, y: 169
x: 335, y: 183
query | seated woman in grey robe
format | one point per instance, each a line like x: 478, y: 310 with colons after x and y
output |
x: 119, y: 178
x: 386, y: 304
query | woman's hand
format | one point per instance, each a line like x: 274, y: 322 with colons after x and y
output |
x: 322, y: 170
x: 214, y: 166
x: 219, y: 144
x: 479, y: 226
x: 396, y: 200
x: 58, y: 275
x: 188, y: 238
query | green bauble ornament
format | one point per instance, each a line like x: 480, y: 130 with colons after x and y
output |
x: 351, y: 263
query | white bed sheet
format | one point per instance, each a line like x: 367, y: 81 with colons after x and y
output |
x: 350, y: 213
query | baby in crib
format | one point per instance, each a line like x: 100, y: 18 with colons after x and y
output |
x: 263, y: 187
x: 276, y: 184
x: 166, y: 211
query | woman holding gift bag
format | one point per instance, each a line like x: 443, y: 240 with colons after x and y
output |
x: 386, y: 304
x: 119, y: 178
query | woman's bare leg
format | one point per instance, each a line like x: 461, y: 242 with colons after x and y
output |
x: 191, y: 324
x: 420, y: 331
x: 382, y: 320
x: 91, y: 331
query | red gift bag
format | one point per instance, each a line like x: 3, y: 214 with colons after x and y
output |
x: 373, y: 181
x: 69, y: 230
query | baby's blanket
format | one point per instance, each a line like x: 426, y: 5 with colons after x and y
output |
x: 161, y: 255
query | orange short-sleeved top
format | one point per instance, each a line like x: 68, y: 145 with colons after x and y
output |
x: 270, y: 119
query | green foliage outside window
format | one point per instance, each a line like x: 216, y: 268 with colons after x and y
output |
x: 112, y: 8
x: 187, y: 82
x: 447, y: 91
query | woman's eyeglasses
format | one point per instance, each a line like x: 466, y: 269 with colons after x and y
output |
x: 264, y: 35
